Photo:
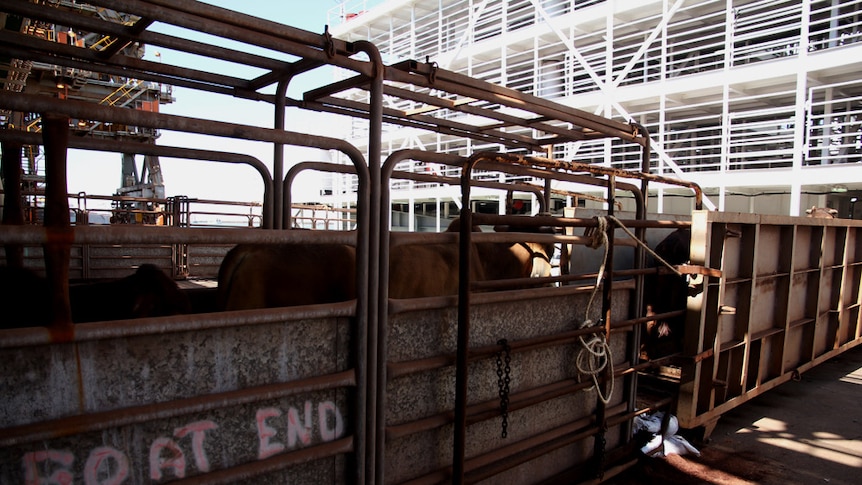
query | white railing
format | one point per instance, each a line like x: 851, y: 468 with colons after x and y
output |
x: 835, y: 25
x: 834, y: 126
x: 697, y: 39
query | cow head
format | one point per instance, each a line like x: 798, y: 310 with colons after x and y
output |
x: 821, y: 212
x: 534, y: 257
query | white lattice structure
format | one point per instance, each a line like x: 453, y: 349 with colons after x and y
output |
x: 759, y: 101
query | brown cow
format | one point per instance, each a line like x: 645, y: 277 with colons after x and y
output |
x: 821, y: 212
x: 417, y: 270
x: 258, y: 276
x: 265, y: 276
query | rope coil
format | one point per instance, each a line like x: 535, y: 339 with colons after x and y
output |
x: 595, y: 356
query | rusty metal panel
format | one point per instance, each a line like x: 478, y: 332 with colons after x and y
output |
x: 204, y: 260
x: 90, y: 261
x: 548, y: 407
x: 787, y: 300
x: 34, y: 258
x: 252, y: 398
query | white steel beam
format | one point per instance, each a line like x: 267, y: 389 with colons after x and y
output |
x: 799, y: 125
x: 607, y: 88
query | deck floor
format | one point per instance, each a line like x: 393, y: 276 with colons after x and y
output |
x: 802, y: 432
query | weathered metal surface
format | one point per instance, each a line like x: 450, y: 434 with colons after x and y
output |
x: 204, y: 260
x: 148, y: 405
x: 116, y: 261
x: 788, y: 300
x: 419, y: 404
x: 256, y: 395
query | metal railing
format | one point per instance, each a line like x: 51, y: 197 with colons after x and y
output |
x: 698, y: 38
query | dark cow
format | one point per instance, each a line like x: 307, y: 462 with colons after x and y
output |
x: 821, y: 212
x: 23, y: 297
x: 666, y: 292
x: 262, y: 276
x: 149, y: 292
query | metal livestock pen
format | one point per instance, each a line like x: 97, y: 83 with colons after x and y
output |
x: 479, y: 386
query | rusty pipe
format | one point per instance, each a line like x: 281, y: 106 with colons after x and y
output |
x: 371, y: 446
x: 278, y: 155
x: 13, y: 209
x: 85, y: 110
x: 118, y: 329
x: 34, y: 235
x: 57, y: 250
x: 87, y: 143
x: 72, y: 425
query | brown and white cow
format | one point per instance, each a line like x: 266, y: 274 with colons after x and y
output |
x: 257, y: 276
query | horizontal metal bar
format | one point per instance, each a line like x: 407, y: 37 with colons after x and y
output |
x: 247, y: 471
x: 58, y: 428
x: 34, y: 48
x: 82, y: 332
x: 132, y: 235
x: 92, y: 24
x: 30, y: 103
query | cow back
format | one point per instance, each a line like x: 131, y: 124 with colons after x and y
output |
x: 148, y: 292
x: 420, y: 270
x: 265, y: 276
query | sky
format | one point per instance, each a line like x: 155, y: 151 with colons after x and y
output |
x: 100, y: 173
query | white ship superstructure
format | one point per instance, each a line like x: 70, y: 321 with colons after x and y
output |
x: 757, y: 101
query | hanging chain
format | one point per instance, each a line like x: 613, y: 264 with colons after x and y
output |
x: 504, y: 370
x: 601, y: 452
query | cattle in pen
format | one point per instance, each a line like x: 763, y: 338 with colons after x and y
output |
x: 259, y: 276
x: 148, y: 292
x: 274, y: 275
x: 821, y: 212
x: 23, y: 297
x: 664, y: 292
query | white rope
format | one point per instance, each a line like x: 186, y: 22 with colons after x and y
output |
x: 595, y: 354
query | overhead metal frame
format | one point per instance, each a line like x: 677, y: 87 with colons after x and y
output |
x: 499, y: 114
x: 471, y: 96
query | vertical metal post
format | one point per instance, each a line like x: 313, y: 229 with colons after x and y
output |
x: 55, y: 133
x: 376, y: 416
x: 278, y: 158
x: 459, y: 443
x: 637, y: 307
x: 13, y: 209
x: 607, y: 290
